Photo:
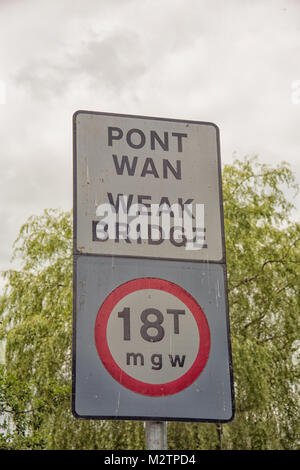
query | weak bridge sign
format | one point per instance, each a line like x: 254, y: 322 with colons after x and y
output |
x: 150, y: 318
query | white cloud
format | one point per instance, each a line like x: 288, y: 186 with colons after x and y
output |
x: 230, y: 62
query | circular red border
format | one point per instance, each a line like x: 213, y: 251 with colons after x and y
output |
x: 112, y: 367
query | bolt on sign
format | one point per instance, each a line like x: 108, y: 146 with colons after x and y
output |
x: 150, y: 320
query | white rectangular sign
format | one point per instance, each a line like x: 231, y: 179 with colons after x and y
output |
x: 147, y: 187
x: 150, y: 325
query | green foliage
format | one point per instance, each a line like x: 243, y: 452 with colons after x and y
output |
x: 263, y: 265
x: 262, y: 244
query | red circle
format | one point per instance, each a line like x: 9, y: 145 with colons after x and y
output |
x: 110, y: 364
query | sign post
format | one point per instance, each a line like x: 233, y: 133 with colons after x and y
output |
x: 156, y: 435
x: 150, y: 320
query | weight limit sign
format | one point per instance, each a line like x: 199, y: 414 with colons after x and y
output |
x: 152, y: 337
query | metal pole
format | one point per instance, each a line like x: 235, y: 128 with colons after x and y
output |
x: 156, y: 435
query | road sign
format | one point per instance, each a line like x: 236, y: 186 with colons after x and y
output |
x: 130, y: 160
x: 150, y: 318
x: 152, y: 336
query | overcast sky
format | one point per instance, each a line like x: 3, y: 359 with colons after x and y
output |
x: 235, y: 63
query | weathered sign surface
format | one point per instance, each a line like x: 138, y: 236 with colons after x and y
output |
x: 151, y: 325
x: 150, y: 162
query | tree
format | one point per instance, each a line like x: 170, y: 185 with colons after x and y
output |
x: 263, y: 263
x: 36, y: 309
x: 263, y: 269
